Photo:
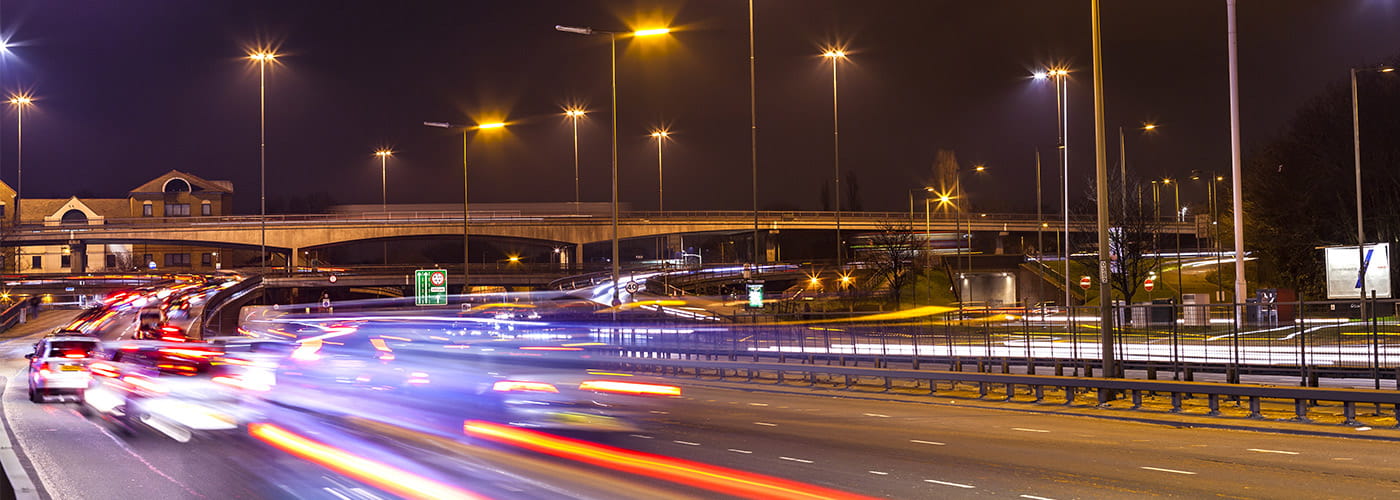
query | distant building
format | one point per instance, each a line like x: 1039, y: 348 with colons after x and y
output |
x: 174, y: 194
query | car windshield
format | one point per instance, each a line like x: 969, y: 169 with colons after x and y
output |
x: 70, y: 349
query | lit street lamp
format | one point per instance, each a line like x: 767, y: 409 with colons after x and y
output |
x: 19, y: 101
x: 1062, y: 126
x: 612, y: 57
x: 384, y: 155
x: 574, y: 114
x: 836, y: 56
x: 661, y: 137
x: 262, y: 57
x: 466, y: 214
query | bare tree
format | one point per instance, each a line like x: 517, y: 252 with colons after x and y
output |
x: 892, y: 255
x: 1133, y: 237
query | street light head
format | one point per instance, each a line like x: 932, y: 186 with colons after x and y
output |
x: 1149, y: 126
x: 1166, y: 181
x: 438, y: 124
x: 573, y: 29
x: 384, y: 153
x: 651, y: 32
x: 574, y: 112
x: 835, y: 54
x: 1386, y: 69
x: 1219, y: 178
x: 944, y: 198
x: 1039, y: 75
x: 928, y: 188
x: 21, y: 100
x: 660, y: 134
x: 980, y: 168
x: 485, y: 126
x: 262, y: 56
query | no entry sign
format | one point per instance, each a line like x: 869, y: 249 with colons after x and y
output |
x: 1085, y: 282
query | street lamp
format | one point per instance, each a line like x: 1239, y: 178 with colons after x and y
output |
x: 660, y: 136
x: 574, y: 114
x: 1176, y: 217
x: 384, y: 155
x: 466, y: 215
x: 1062, y: 127
x: 262, y: 57
x: 1212, y: 197
x: 1356, y: 151
x: 1123, y: 160
x: 612, y: 57
x: 836, y: 56
x: 19, y: 101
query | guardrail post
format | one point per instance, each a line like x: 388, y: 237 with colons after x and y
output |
x: 1030, y: 366
x: 1010, y: 391
x: 981, y: 389
x: 1176, y: 402
x: 1059, y: 368
x: 1069, y: 396
x: 1088, y: 370
x: 1254, y: 408
x: 887, y: 384
x: 1214, y: 402
x: 1040, y: 393
x: 933, y: 389
x: 1349, y: 411
x: 1005, y: 365
x: 1151, y: 371
x: 1397, y: 416
x: 1137, y: 399
x: 1300, y: 410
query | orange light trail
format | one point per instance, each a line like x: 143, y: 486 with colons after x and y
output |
x: 718, y: 479
x: 390, y: 479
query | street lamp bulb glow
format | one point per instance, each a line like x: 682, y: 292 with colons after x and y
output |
x: 1219, y: 178
x: 514, y: 258
x: 661, y: 133
x: 262, y: 56
x: 1039, y: 75
x: 383, y: 153
x: 944, y: 199
x: 651, y: 32
x: 1386, y: 69
x: 834, y: 53
x: 1166, y: 181
x: 980, y: 168
x: 1149, y: 126
x: 21, y: 100
x: 491, y: 125
x: 1059, y: 72
x: 574, y: 113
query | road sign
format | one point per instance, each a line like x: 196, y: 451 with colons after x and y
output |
x: 633, y: 287
x: 1086, y: 282
x: 1149, y: 284
x: 755, y: 290
x: 430, y: 287
x: 332, y: 278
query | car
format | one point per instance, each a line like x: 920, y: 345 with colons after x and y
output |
x: 170, y: 387
x: 58, y: 366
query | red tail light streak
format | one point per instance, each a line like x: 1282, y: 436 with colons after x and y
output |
x: 718, y: 479
x: 393, y: 480
x: 617, y: 387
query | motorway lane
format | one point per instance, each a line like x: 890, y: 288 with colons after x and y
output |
x: 909, y: 450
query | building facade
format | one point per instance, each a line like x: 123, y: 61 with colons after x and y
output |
x: 174, y: 194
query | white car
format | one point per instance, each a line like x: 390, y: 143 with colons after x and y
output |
x: 58, y: 366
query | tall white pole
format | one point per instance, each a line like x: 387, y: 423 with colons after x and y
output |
x: 1062, y: 100
x: 1360, y: 231
x: 660, y: 179
x: 836, y: 156
x: 616, y: 267
x: 574, y: 118
x: 262, y: 161
x: 1237, y: 195
x: 753, y: 136
x: 1110, y: 366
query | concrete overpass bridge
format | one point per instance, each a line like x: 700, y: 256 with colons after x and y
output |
x: 291, y: 234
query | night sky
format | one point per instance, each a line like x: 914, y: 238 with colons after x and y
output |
x: 128, y: 90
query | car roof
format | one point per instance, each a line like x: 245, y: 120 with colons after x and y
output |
x: 71, y: 338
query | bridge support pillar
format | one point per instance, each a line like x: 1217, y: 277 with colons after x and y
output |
x: 293, y: 259
x: 578, y: 256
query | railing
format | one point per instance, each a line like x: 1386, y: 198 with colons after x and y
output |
x: 1302, y: 398
x: 212, y: 320
x: 18, y: 312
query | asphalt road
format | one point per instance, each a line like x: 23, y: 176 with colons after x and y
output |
x: 939, y: 448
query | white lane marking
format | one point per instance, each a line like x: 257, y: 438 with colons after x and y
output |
x: 796, y: 460
x: 735, y: 450
x: 337, y: 494
x: 1173, y: 471
x: 1023, y: 429
x: 1033, y: 497
x: 945, y: 483
x: 877, y: 415
x: 758, y: 404
x: 661, y: 412
x: 687, y: 443
x: 643, y: 436
x: 1281, y: 452
x: 920, y: 441
x: 765, y: 424
x: 878, y: 472
x: 1343, y: 458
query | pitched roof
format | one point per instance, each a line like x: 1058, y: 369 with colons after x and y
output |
x: 197, y: 183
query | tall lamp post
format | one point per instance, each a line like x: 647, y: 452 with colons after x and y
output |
x: 384, y: 155
x: 262, y: 57
x: 466, y: 214
x: 1176, y: 217
x: 1062, y: 127
x: 836, y: 56
x: 19, y: 101
x: 612, y: 57
x: 1356, y: 152
x: 574, y: 114
x: 660, y: 136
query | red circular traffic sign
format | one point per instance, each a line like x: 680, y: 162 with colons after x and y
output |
x: 438, y: 278
x: 332, y: 278
x: 1085, y: 282
x: 1149, y: 284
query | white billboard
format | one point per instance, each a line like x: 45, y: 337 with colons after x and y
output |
x: 1342, y: 264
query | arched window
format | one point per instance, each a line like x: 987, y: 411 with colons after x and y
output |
x: 74, y: 216
x: 177, y: 185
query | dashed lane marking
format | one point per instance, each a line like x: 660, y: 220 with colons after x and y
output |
x: 791, y: 459
x: 736, y: 450
x: 758, y: 404
x: 1280, y: 452
x: 920, y: 441
x: 766, y: 424
x: 876, y: 472
x: 879, y: 415
x: 945, y: 483
x: 1033, y: 497
x: 1173, y: 471
x: 642, y: 436
x: 1023, y: 429
x: 687, y: 443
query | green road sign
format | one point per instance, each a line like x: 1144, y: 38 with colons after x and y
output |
x: 430, y: 287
